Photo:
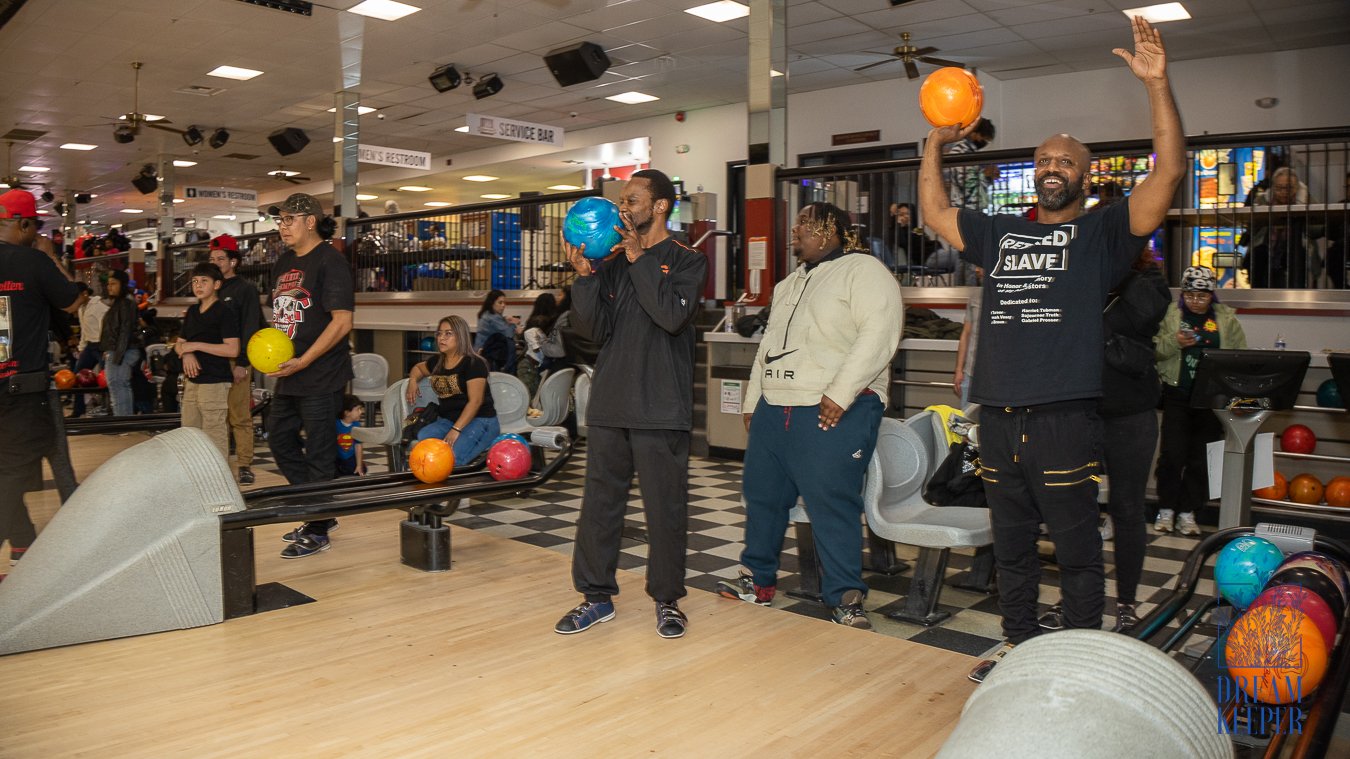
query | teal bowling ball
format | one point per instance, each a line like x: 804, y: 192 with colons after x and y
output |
x: 1243, y: 568
x: 1329, y: 395
x: 511, y: 436
x: 428, y: 344
x: 591, y: 223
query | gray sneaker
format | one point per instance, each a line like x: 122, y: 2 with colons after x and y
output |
x: 850, y: 612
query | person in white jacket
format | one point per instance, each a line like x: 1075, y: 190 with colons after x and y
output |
x: 816, y: 395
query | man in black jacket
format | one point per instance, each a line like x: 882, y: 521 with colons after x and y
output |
x: 639, y: 306
x: 242, y: 298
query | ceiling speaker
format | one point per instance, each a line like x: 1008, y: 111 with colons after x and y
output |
x: 487, y: 87
x: 288, y: 141
x: 445, y: 78
x: 583, y: 62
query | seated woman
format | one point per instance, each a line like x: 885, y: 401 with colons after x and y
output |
x: 543, y: 346
x: 458, y: 377
x: 496, y: 337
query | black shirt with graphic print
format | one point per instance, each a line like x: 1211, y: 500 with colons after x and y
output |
x: 451, y: 386
x: 30, y: 285
x: 305, y: 292
x: 1045, y: 286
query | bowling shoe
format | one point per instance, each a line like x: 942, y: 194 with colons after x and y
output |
x: 849, y: 612
x: 1164, y: 521
x: 584, y: 616
x: 983, y: 669
x: 306, y: 545
x: 670, y: 621
x: 745, y: 589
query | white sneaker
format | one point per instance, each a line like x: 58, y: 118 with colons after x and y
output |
x: 1164, y: 521
x: 1186, y: 524
x: 1108, y: 530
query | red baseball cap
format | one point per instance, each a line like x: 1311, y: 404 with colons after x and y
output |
x: 224, y: 242
x: 18, y: 204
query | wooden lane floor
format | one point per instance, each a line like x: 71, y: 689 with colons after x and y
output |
x: 392, y: 662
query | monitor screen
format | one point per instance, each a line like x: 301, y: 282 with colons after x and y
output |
x: 1254, y: 379
x: 1340, y: 371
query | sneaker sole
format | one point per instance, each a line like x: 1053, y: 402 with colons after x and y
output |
x: 605, y: 618
x: 734, y: 596
x: 290, y: 538
x: 671, y: 637
x: 320, y: 549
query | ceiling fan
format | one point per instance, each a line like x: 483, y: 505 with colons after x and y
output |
x: 129, y: 124
x: 288, y: 176
x: 908, y: 54
x: 11, y: 179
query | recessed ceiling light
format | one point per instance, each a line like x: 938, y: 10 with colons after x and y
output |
x: 34, y: 169
x: 225, y: 216
x: 564, y: 187
x: 132, y: 210
x: 723, y: 10
x: 283, y: 173
x: 92, y: 195
x: 43, y: 212
x: 464, y: 128
x: 115, y: 226
x: 479, y: 178
x: 77, y: 146
x: 361, y: 110
x: 414, y: 188
x: 632, y: 98
x: 179, y: 200
x: 367, y: 197
x: 184, y: 164
x: 1156, y: 14
x: 436, y: 204
x: 386, y: 10
x: 494, y: 196
x: 234, y: 72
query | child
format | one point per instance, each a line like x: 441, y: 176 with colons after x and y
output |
x: 209, y: 341
x: 350, y: 455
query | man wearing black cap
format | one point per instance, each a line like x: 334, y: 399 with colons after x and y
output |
x: 31, y: 284
x: 242, y: 298
x: 312, y: 302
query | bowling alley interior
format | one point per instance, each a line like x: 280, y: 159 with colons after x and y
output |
x: 177, y: 599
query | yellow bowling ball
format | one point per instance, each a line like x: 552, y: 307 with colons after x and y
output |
x: 268, y: 349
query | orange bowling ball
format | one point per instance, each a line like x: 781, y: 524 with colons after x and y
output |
x: 1275, y: 654
x: 432, y: 460
x: 1305, y: 488
x: 64, y: 379
x: 1276, y: 492
x: 1337, y: 492
x: 951, y: 96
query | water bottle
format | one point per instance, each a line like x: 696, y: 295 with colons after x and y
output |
x: 729, y: 323
x: 1279, y: 342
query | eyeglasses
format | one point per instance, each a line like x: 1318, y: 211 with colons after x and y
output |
x: 1197, y: 296
x: 445, y: 333
x: 286, y: 221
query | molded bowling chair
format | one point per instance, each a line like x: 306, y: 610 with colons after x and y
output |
x: 395, y: 409
x: 370, y: 378
x: 907, y: 454
x: 582, y: 392
x: 554, y: 394
x: 512, y: 401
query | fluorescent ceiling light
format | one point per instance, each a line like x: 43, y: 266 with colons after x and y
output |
x: 1156, y: 14
x: 464, y: 128
x: 225, y: 216
x: 564, y: 187
x: 115, y: 226
x: 77, y: 146
x: 361, y: 110
x: 414, y: 188
x: 234, y: 72
x: 34, y: 169
x: 4, y: 186
x: 386, y: 10
x: 494, y: 196
x: 774, y: 72
x: 436, y: 204
x: 283, y: 173
x: 184, y: 164
x: 132, y: 210
x: 475, y: 178
x: 632, y: 98
x: 179, y: 200
x: 723, y: 10
x: 367, y: 197
x: 43, y: 212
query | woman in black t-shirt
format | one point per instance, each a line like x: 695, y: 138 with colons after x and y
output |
x: 458, y: 377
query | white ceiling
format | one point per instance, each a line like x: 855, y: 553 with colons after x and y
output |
x: 66, y: 70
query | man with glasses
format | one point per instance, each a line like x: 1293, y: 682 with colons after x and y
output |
x: 242, y: 298
x: 312, y: 302
x: 1279, y: 240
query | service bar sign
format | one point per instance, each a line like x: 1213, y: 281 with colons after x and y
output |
x: 518, y: 131
x: 220, y: 193
x: 404, y: 159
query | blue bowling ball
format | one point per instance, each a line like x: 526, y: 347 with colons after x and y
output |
x: 1244, y: 567
x: 1329, y: 395
x: 511, y: 436
x: 428, y: 343
x: 591, y: 222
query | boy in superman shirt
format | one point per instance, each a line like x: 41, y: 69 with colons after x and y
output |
x: 350, y: 457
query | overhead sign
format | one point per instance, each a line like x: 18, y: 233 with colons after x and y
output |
x: 221, y: 193
x: 518, y: 131
x: 855, y: 138
x: 404, y: 159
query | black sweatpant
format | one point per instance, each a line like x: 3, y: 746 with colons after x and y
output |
x: 1129, y: 444
x: 1041, y: 464
x: 660, y: 459
x: 313, y: 457
x: 29, y: 435
x: 1183, y: 472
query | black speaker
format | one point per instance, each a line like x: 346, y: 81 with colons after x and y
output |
x: 487, y: 86
x: 146, y: 183
x: 82, y: 197
x: 288, y: 141
x: 529, y: 214
x: 583, y: 62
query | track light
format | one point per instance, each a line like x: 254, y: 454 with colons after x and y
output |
x: 219, y: 138
x: 124, y: 134
x: 445, y: 78
x: 487, y: 86
x: 193, y: 136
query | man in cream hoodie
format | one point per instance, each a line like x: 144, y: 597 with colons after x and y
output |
x: 816, y: 395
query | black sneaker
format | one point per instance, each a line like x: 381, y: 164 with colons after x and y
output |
x: 294, y: 535
x: 849, y: 612
x: 306, y: 545
x: 745, y: 589
x: 1126, y: 618
x: 670, y: 621
x: 245, y: 476
x: 1052, y: 619
x: 584, y: 616
x: 983, y: 669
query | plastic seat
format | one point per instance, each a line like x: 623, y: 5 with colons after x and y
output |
x: 512, y: 401
x: 555, y: 392
x: 582, y: 392
x: 395, y: 408
x: 370, y: 379
x: 907, y: 454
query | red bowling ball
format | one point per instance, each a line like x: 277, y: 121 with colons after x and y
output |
x: 1297, y: 438
x: 86, y: 378
x: 508, y: 460
x: 1304, y: 600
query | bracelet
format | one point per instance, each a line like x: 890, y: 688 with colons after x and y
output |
x: 456, y: 429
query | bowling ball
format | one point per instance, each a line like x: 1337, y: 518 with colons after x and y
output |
x: 1329, y: 395
x: 102, y: 378
x: 1243, y: 568
x: 512, y: 436
x: 1305, y: 488
x: 1337, y: 492
x: 1323, y: 563
x: 1297, y: 438
x: 951, y: 96
x: 432, y: 460
x: 86, y: 378
x: 269, y: 348
x: 591, y: 222
x: 428, y: 343
x: 1277, y: 492
x: 64, y: 379
x: 1314, y: 580
x: 1275, y: 654
x: 1304, y: 600
x: 508, y: 460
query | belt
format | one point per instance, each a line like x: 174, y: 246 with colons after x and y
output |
x: 1058, y: 407
x: 24, y: 384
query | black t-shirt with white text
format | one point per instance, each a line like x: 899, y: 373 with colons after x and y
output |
x: 1045, y: 286
x: 30, y: 285
x: 452, y: 386
x: 213, y: 325
x: 305, y: 292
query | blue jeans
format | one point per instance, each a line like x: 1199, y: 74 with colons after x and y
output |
x: 119, y: 379
x: 475, y: 438
x: 89, y: 358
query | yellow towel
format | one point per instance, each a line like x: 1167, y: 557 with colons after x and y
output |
x: 946, y: 413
